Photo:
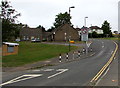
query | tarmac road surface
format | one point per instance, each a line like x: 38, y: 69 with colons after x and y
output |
x: 76, y: 73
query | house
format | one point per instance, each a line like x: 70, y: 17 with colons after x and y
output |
x: 96, y: 29
x: 27, y: 34
x: 64, y: 33
x: 9, y: 48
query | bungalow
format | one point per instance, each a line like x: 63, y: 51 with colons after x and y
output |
x: 64, y: 33
x: 27, y: 34
x: 97, y: 29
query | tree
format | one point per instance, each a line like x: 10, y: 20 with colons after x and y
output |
x: 94, y: 35
x: 41, y: 27
x: 51, y: 29
x: 60, y: 19
x: 106, y: 29
x: 8, y: 16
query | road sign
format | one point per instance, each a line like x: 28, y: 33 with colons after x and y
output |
x: 84, y: 33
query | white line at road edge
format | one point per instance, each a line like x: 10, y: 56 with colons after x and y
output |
x: 62, y: 71
x: 102, y: 77
x: 29, y: 76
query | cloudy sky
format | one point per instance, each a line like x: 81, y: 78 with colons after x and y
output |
x: 43, y: 12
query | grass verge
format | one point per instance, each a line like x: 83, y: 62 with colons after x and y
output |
x: 33, y: 52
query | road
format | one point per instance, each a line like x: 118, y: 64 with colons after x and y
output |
x: 76, y: 73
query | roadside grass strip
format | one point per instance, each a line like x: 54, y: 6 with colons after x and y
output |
x: 105, y: 66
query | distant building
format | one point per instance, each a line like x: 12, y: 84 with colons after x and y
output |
x: 97, y: 29
x: 64, y: 33
x: 115, y: 32
x: 79, y: 31
x: 27, y: 34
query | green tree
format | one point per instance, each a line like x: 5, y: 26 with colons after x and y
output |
x: 8, y: 15
x: 106, y: 29
x: 94, y: 35
x: 41, y: 27
x: 60, y: 19
x: 51, y: 29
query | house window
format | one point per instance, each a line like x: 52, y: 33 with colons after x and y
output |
x: 10, y: 49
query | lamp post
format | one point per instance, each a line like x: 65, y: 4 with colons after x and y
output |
x: 86, y: 41
x: 69, y: 23
x: 85, y: 21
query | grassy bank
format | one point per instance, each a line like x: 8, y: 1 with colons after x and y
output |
x: 33, y: 52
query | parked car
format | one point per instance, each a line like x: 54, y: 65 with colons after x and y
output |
x: 35, y: 40
x: 17, y: 40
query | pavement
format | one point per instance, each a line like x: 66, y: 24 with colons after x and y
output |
x: 75, y: 72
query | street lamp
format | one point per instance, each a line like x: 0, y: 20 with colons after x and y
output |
x: 85, y: 21
x: 86, y: 41
x: 69, y: 22
x: 70, y: 8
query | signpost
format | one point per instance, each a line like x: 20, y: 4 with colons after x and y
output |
x: 84, y: 36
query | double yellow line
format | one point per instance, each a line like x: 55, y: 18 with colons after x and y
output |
x: 105, y: 66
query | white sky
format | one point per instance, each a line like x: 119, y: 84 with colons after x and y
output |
x: 43, y: 12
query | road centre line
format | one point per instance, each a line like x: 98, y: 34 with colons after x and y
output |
x: 61, y: 71
x: 106, y: 65
x: 48, y: 69
x: 36, y: 70
x: 21, y: 78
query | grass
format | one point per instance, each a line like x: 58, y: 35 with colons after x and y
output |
x: 33, y: 52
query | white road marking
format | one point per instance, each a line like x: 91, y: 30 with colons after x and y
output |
x: 21, y: 78
x: 88, y: 44
x: 114, y: 58
x: 102, y: 77
x: 111, y: 52
x: 61, y: 71
x: 102, y: 42
x: 103, y: 46
x: 92, y: 54
x: 48, y: 69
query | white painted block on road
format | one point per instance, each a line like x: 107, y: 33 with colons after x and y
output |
x: 61, y: 71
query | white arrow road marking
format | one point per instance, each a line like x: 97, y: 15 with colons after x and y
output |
x: 21, y: 78
x: 88, y: 44
x: 61, y: 71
